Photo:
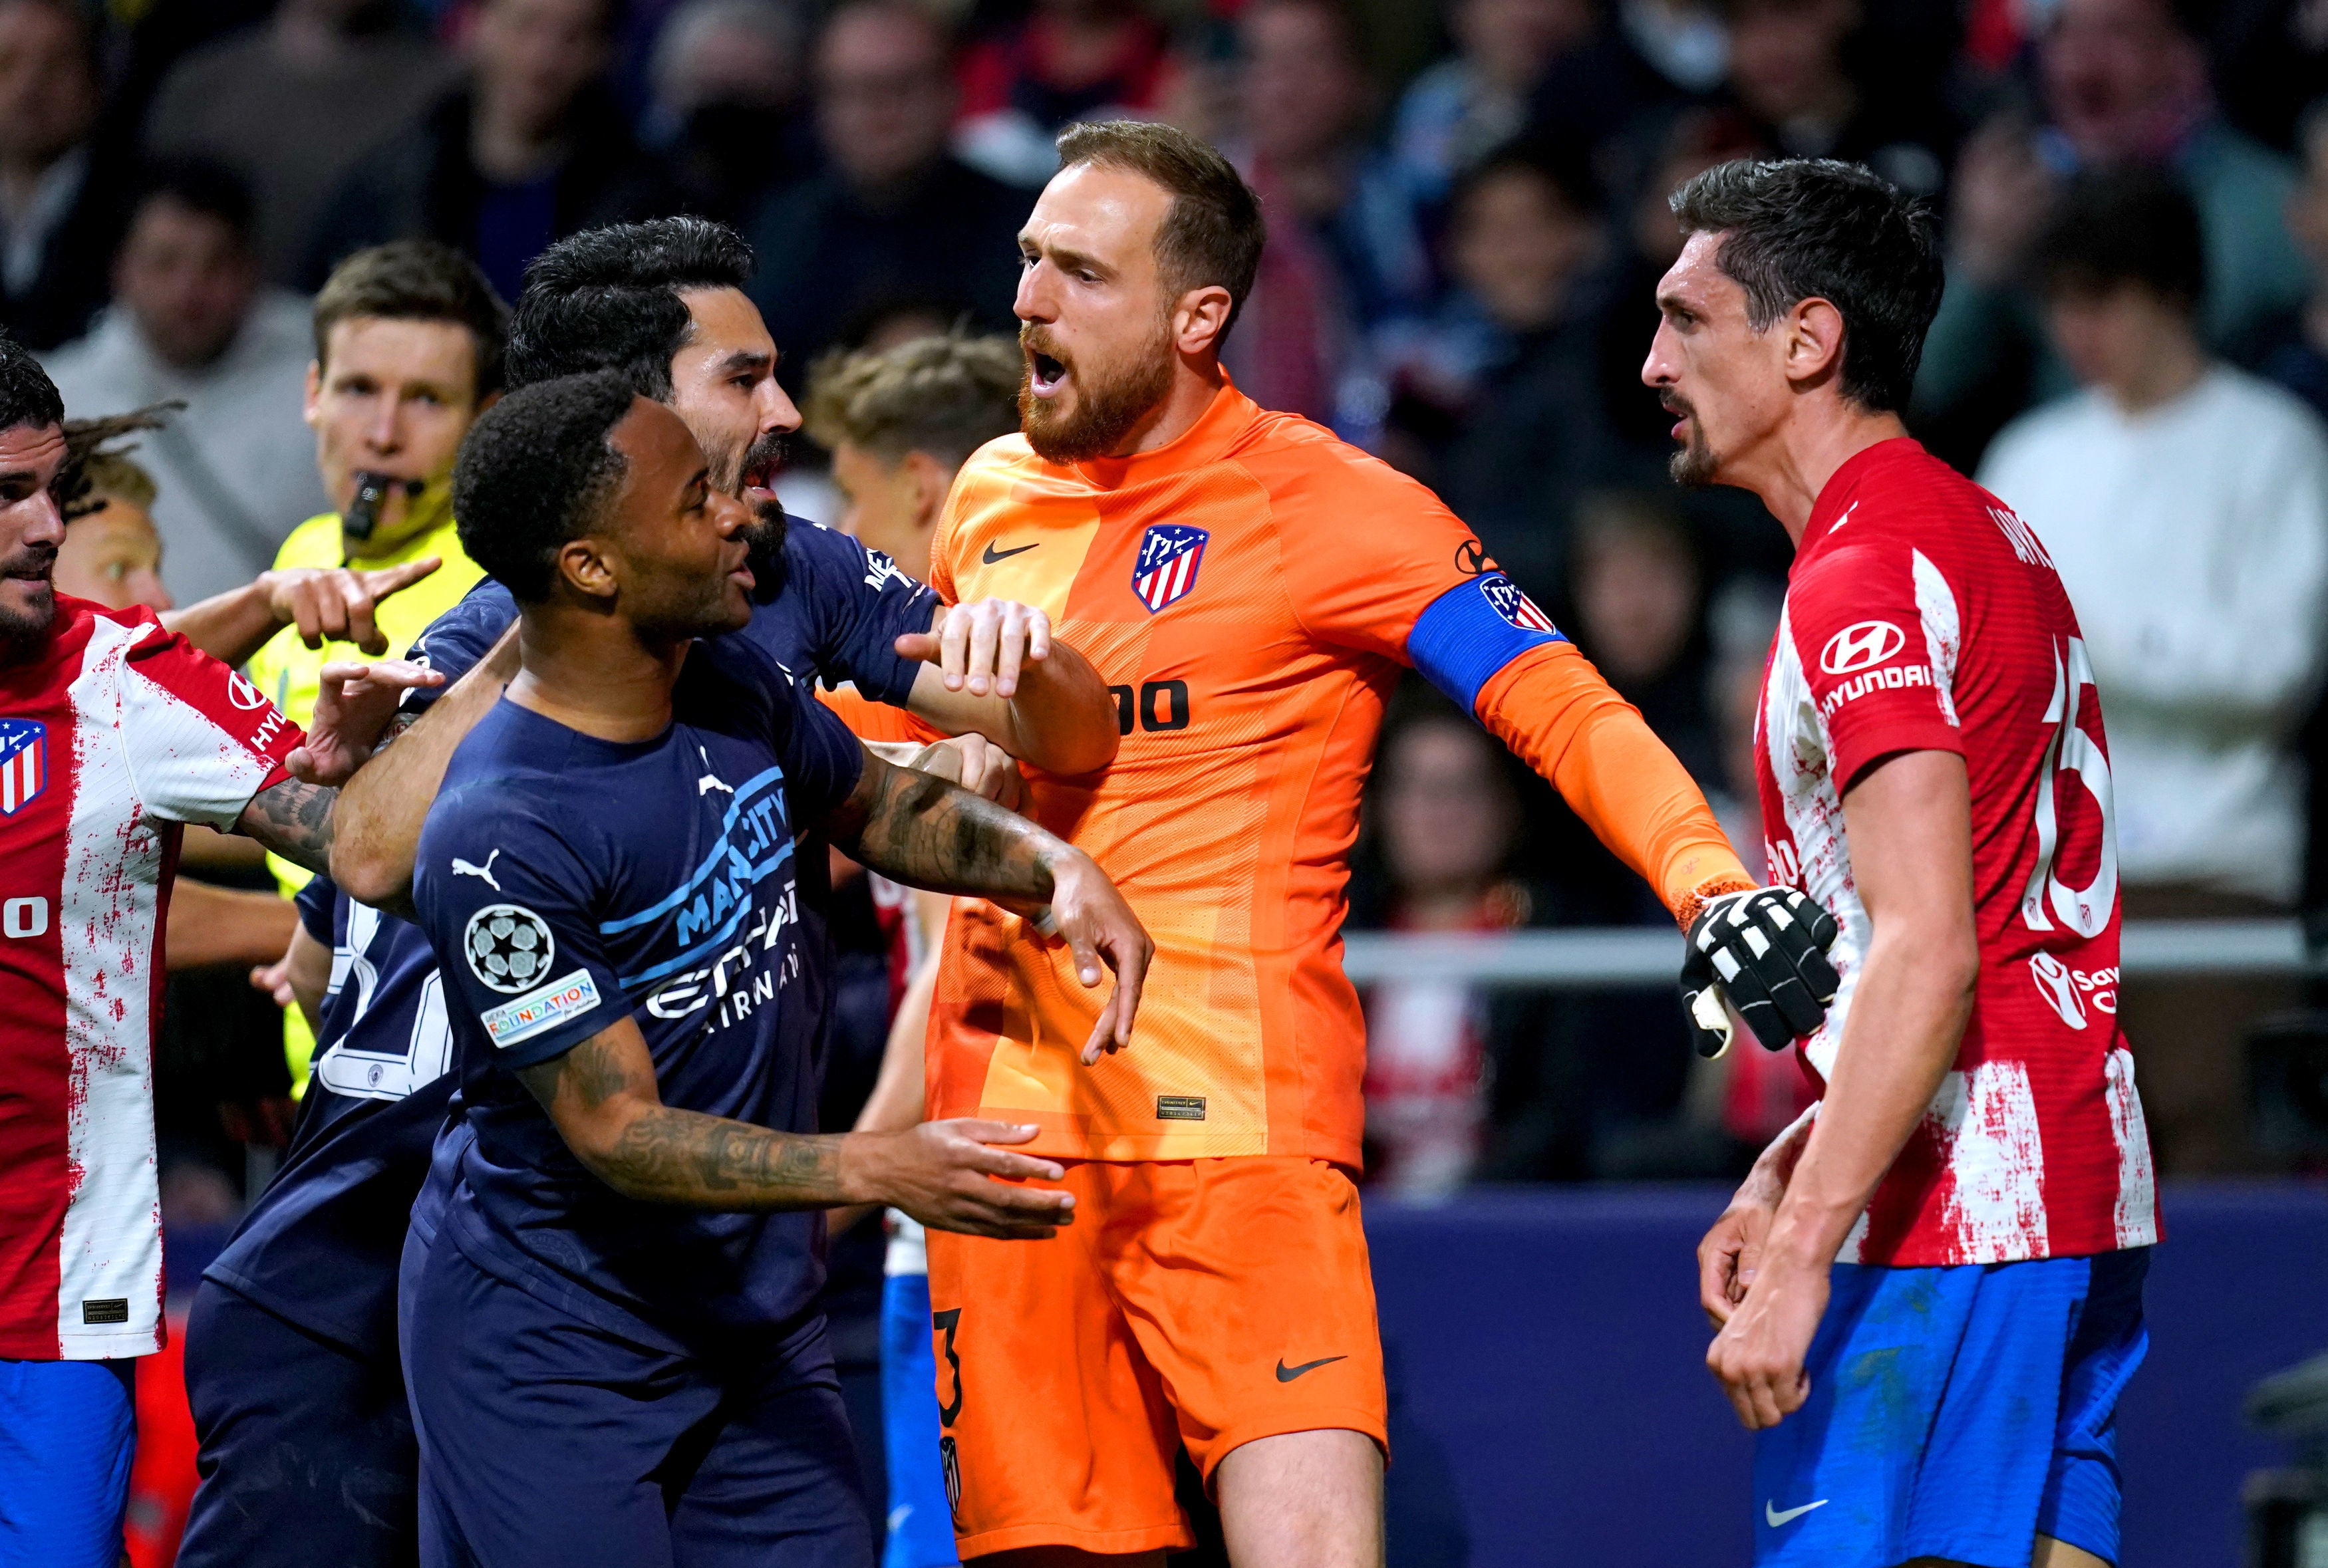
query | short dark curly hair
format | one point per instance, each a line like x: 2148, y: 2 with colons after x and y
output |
x: 27, y: 395
x: 1797, y: 228
x: 536, y: 473
x: 609, y: 299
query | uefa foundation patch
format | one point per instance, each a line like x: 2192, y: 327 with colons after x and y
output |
x: 569, y: 996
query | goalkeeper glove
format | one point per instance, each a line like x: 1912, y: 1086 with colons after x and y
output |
x: 1764, y: 949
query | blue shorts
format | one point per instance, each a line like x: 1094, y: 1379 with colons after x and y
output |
x: 1956, y: 1413
x: 545, y: 1439
x: 306, y: 1454
x: 68, y: 1431
x: 921, y: 1522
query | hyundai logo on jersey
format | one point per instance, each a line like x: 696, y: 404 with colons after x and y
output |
x: 1860, y: 645
x: 23, y: 761
x: 1166, y: 567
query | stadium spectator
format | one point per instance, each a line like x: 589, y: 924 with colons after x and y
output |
x: 1465, y: 106
x: 1639, y: 592
x: 1507, y: 370
x: 1447, y: 817
x: 1649, y: 57
x: 290, y: 105
x: 2292, y: 349
x: 1066, y: 60
x: 530, y: 147
x: 192, y: 322
x: 59, y: 178
x: 727, y: 109
x: 895, y: 219
x: 1342, y: 255
x: 1790, y: 72
x: 2125, y: 83
x: 2185, y: 504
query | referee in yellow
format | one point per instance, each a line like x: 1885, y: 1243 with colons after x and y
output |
x: 409, y: 340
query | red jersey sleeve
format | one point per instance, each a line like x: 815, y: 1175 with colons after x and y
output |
x: 199, y: 739
x: 1874, y: 625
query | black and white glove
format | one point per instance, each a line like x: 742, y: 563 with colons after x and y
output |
x: 1764, y: 949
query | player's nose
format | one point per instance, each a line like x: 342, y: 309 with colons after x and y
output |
x: 778, y: 414
x: 43, y: 521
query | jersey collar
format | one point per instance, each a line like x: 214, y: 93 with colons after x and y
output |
x: 1225, y: 419
x: 1841, y: 492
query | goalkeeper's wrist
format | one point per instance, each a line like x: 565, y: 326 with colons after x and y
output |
x: 1693, y: 903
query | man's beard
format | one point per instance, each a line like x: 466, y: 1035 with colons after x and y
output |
x: 1105, y: 411
x: 24, y: 630
x: 764, y: 535
x: 1694, y: 465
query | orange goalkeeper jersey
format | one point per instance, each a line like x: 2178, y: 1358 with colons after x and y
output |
x: 1250, y: 592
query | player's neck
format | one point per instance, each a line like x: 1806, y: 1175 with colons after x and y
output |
x: 591, y: 672
x: 1799, y: 458
x: 1195, y: 382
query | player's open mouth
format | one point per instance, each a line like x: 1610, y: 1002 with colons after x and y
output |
x: 760, y: 481
x: 1683, y: 413
x: 1047, y: 374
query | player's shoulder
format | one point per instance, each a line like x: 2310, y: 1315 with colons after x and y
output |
x: 1314, y: 481
x: 316, y: 542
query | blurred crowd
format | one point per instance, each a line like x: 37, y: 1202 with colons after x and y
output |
x: 1468, y: 218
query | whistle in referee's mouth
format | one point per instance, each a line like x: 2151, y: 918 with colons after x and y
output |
x: 373, y: 491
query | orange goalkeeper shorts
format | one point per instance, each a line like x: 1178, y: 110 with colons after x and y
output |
x: 1203, y: 1303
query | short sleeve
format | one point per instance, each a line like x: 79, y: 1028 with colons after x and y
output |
x: 1410, y: 582
x: 822, y: 759
x: 199, y: 738
x: 314, y: 904
x: 507, y: 904
x: 456, y: 639
x: 860, y: 603
x: 1876, y: 630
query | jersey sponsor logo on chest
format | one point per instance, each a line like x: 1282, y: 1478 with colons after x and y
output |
x: 1164, y: 570
x: 23, y: 763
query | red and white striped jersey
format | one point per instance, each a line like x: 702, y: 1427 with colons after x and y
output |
x: 1922, y: 615
x: 113, y: 736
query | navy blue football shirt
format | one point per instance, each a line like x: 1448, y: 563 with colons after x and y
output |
x: 566, y: 883
x: 320, y: 1247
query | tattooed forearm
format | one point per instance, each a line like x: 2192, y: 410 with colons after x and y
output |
x: 295, y: 821
x: 920, y: 830
x: 602, y: 1095
x: 668, y: 1156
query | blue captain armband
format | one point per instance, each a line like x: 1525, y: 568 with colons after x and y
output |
x: 1467, y: 633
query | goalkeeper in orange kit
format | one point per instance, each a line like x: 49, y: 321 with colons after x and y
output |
x: 1251, y: 588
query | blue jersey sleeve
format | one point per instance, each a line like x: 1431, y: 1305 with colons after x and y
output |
x: 313, y: 903
x: 858, y: 604
x: 507, y: 904
x: 457, y: 639
x: 823, y: 758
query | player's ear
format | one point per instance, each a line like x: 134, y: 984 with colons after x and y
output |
x: 583, y: 565
x: 1198, y: 319
x: 1814, y: 340
x: 931, y: 480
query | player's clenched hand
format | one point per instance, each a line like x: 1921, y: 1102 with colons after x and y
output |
x: 335, y: 604
x: 982, y: 645
x: 1731, y: 1252
x: 944, y: 1174
x: 1765, y: 950
x: 977, y: 765
x: 1759, y: 1354
x: 1099, y: 928
x: 353, y: 703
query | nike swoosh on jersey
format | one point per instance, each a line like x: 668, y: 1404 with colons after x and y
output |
x: 993, y: 555
x: 1774, y: 1517
x: 1288, y: 1374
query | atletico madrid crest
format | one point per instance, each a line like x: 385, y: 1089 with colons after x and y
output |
x: 1504, y: 595
x: 23, y: 761
x: 1165, y: 570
